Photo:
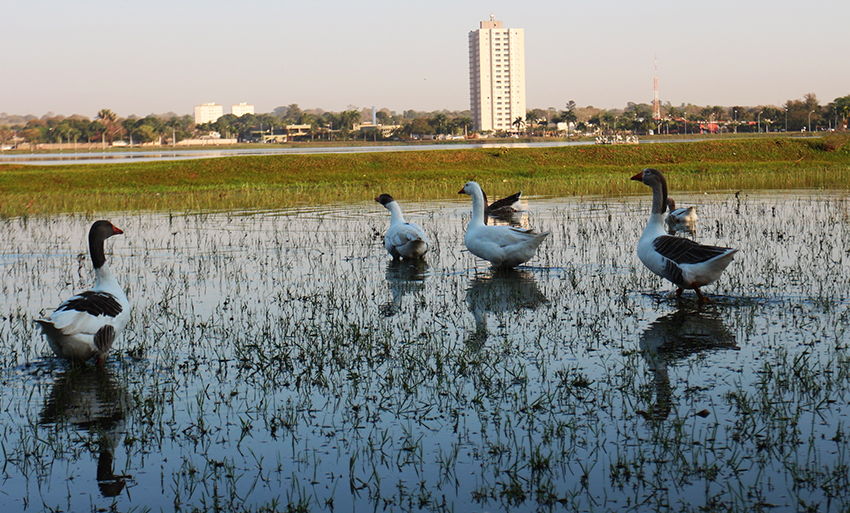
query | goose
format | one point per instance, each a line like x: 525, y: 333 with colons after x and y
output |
x: 503, y: 246
x: 403, y: 239
x: 684, y: 215
x: 684, y: 262
x: 505, y: 209
x: 85, y: 325
x: 506, y: 205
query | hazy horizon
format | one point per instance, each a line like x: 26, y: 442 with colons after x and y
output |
x: 78, y: 58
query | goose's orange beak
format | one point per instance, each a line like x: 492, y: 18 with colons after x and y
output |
x: 638, y: 177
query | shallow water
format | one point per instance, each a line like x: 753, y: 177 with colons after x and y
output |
x: 167, y: 154
x: 281, y: 358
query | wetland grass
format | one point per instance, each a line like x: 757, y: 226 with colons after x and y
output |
x: 279, y: 360
x: 282, y: 181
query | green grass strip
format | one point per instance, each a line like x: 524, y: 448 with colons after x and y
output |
x: 276, y: 181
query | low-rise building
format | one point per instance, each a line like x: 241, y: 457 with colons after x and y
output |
x: 241, y: 109
x: 207, y: 113
x: 386, y: 130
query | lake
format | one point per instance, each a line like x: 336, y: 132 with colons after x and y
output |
x: 152, y: 154
x: 281, y: 360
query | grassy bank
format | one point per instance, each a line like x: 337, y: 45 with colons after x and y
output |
x: 287, y: 180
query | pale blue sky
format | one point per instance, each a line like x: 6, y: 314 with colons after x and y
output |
x: 158, y: 56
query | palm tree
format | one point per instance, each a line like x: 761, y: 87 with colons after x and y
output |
x: 439, y: 121
x: 109, y: 120
x: 569, y: 117
x: 106, y: 116
x: 316, y: 127
x: 176, y: 130
x: 530, y: 120
x: 518, y: 123
x: 718, y: 112
x: 347, y: 121
x: 465, y: 123
x: 130, y: 126
x: 305, y: 119
x: 328, y: 121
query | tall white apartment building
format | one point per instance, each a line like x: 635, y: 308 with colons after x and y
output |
x: 207, y: 113
x: 241, y: 109
x: 496, y: 76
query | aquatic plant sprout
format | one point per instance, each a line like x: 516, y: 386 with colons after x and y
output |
x: 281, y: 360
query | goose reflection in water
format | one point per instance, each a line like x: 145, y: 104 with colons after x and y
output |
x: 516, y: 219
x: 500, y: 290
x: 90, y: 400
x: 404, y: 277
x: 674, y: 337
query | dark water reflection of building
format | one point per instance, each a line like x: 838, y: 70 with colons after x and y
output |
x: 675, y: 337
x: 90, y: 400
x: 498, y: 291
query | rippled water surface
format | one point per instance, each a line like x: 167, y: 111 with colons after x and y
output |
x: 281, y: 359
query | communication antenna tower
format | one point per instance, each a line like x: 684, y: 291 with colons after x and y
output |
x: 656, y: 104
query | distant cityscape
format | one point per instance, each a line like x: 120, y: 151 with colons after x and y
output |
x: 497, y: 96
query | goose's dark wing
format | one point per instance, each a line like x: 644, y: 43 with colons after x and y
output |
x: 93, y: 303
x: 505, y: 203
x: 86, y: 312
x: 686, y: 251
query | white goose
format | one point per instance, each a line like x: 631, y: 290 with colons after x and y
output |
x: 85, y: 326
x: 684, y: 215
x: 503, y: 246
x: 403, y: 239
x: 688, y: 264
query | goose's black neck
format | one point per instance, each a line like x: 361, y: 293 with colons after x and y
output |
x: 663, y: 199
x: 98, y: 258
x: 100, y: 231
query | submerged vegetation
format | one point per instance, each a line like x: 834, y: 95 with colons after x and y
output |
x: 291, y: 180
x: 280, y: 360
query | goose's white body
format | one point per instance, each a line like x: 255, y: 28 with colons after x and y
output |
x: 85, y: 325
x: 684, y: 215
x: 503, y: 246
x: 684, y: 262
x: 403, y: 239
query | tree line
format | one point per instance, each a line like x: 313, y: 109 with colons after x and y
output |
x: 108, y: 127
